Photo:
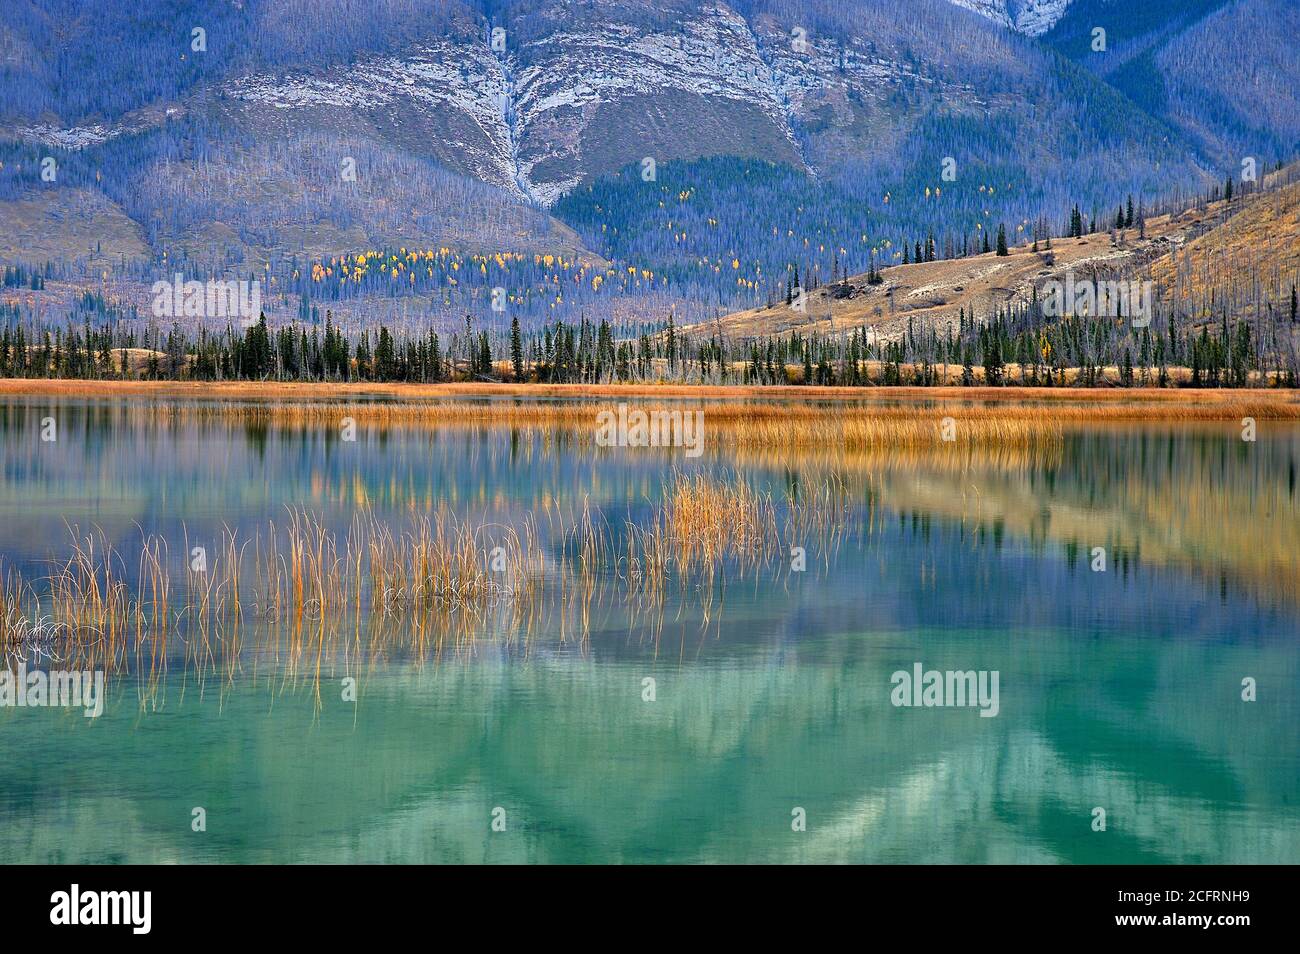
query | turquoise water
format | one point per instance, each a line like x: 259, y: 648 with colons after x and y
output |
x: 772, y: 688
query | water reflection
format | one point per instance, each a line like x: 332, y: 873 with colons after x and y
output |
x: 1119, y: 689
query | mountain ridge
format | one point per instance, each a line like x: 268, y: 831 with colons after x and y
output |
x: 596, y: 130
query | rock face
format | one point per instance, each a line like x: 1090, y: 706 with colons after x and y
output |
x: 570, y: 96
x: 1030, y: 17
x: 446, y: 99
x: 537, y: 99
x: 595, y: 96
x: 570, y: 99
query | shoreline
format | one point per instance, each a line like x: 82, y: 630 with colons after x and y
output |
x: 1286, y: 401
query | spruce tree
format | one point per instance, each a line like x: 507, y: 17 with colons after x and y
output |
x: 516, y: 349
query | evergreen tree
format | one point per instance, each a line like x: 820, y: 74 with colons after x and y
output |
x: 516, y: 349
x: 385, y: 358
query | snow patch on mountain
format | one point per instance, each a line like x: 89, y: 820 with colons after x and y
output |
x: 1036, y: 17
x: 1030, y: 17
x: 535, y: 105
x: 777, y: 83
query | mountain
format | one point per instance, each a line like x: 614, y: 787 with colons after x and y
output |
x: 705, y: 150
x: 1222, y: 72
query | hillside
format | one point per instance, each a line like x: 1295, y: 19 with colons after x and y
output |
x: 1221, y: 72
x: 1251, y: 241
x: 1251, y: 259
x: 562, y: 97
x: 70, y: 224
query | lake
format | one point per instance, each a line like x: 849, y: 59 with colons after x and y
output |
x: 1122, y: 581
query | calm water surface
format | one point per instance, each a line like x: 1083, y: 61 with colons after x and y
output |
x: 1118, y: 689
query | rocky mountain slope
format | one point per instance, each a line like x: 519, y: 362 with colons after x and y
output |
x: 297, y: 131
x: 1030, y: 17
x: 579, y: 91
x: 555, y: 95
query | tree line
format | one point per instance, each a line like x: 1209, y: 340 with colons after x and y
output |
x: 1017, y: 345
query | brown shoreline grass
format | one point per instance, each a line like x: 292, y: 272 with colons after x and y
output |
x: 823, y: 422
x: 437, y: 575
x: 726, y: 425
x: 1285, y: 402
x: 734, y: 427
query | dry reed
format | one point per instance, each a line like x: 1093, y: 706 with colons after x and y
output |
x: 436, y: 577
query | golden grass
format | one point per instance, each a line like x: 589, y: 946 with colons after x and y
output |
x: 806, y: 418
x: 705, y: 520
x: 274, y: 391
x: 748, y: 430
x: 726, y: 424
x: 309, y: 592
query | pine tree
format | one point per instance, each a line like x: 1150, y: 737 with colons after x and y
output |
x: 604, y: 349
x: 385, y: 360
x: 1002, y: 241
x: 672, y: 335
x: 516, y: 349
